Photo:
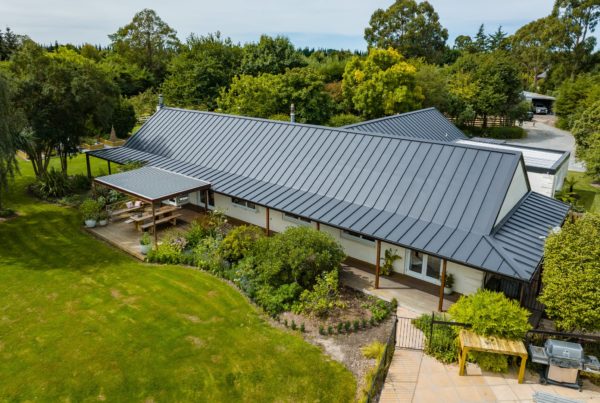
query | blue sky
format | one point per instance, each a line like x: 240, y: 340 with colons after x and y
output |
x: 313, y: 23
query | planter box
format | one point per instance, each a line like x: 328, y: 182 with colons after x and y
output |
x: 110, y: 143
x: 98, y: 146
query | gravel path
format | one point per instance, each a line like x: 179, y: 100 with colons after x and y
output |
x: 542, y: 133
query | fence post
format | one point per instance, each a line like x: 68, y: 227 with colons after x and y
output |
x: 431, y: 329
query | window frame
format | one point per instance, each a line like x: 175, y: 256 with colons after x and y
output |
x: 355, y: 236
x: 296, y: 219
x: 244, y: 204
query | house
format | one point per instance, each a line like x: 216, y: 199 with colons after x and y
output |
x: 540, y: 103
x: 443, y: 206
x: 546, y: 169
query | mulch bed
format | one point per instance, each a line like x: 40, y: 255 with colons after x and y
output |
x: 345, y: 347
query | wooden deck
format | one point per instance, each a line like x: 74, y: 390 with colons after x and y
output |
x: 125, y: 236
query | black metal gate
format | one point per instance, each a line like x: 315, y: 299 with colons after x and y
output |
x: 409, y: 336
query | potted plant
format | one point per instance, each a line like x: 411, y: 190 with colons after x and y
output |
x: 448, y: 284
x: 145, y: 244
x: 389, y: 257
x: 90, y: 211
x: 103, y: 218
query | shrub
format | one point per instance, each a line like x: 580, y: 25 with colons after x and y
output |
x: 364, y: 323
x: 321, y: 330
x: 80, y: 183
x: 54, y: 184
x: 379, y: 310
x: 571, y: 276
x: 340, y: 327
x: 443, y: 343
x: 492, y: 314
x: 356, y: 325
x: 329, y: 329
x: 347, y: 326
x: 276, y: 300
x: 205, y: 255
x: 323, y: 297
x: 374, y: 350
x: 300, y: 254
x: 343, y: 119
x: 145, y: 239
x: 165, y: 253
x: 490, y: 362
x: 195, y: 234
x: 89, y: 209
x: 302, y: 328
x: 293, y: 325
x: 239, y: 241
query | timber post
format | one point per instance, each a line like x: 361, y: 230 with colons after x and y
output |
x: 109, y: 170
x: 87, y: 163
x: 378, y: 264
x: 268, y: 227
x: 154, y: 226
x: 442, y: 286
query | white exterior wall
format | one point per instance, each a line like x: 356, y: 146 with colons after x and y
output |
x: 559, y: 177
x: 466, y: 280
x: 542, y: 183
x: 516, y: 190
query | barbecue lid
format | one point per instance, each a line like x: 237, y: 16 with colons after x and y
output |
x: 564, y: 349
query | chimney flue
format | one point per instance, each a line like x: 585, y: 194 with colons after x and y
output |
x: 292, y: 113
x: 161, y: 102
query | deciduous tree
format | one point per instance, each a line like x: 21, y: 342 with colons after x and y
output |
x: 381, y: 84
x: 271, y: 55
x: 8, y: 163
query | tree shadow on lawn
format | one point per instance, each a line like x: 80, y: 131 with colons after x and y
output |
x: 54, y: 239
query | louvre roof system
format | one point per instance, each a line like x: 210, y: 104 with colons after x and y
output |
x: 436, y: 197
x: 427, y: 124
x: 539, y: 160
x: 152, y: 184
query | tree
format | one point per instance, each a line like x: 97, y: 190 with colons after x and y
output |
x: 148, y: 42
x: 8, y: 163
x: 534, y: 46
x: 464, y: 43
x: 131, y: 78
x: 381, y: 84
x: 270, y: 55
x: 433, y: 80
x: 480, y: 43
x: 574, y: 96
x: 487, y: 82
x: 571, y: 276
x: 268, y: 95
x: 204, y: 66
x: 62, y: 96
x: 9, y: 43
x: 497, y: 40
x: 586, y: 131
x: 123, y: 117
x: 412, y: 29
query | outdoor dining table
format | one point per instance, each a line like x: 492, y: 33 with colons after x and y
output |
x: 162, y: 214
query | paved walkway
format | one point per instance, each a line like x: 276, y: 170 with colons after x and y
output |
x: 416, y: 377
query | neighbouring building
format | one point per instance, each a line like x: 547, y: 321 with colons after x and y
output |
x: 464, y: 206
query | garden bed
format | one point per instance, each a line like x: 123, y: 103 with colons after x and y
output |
x: 344, y: 347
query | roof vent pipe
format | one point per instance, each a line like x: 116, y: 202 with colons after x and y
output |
x: 161, y: 102
x: 292, y: 113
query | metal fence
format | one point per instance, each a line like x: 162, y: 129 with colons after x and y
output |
x: 409, y: 336
x: 442, y: 332
x: 383, y: 366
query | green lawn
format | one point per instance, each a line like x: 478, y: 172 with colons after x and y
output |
x: 590, y: 195
x: 80, y: 321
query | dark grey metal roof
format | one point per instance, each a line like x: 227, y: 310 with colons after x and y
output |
x: 428, y: 124
x: 151, y: 183
x: 524, y: 231
x: 441, y: 198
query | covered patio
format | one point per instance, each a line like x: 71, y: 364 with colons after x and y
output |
x: 416, y: 295
x: 148, y: 186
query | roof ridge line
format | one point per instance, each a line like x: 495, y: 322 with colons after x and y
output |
x: 390, y: 117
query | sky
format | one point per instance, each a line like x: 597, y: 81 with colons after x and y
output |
x: 312, y: 23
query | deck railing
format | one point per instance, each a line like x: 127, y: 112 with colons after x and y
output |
x: 384, y: 364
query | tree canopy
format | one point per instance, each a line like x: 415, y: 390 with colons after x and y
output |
x: 381, y: 84
x: 271, y: 55
x: 411, y: 28
x: 571, y: 276
x: 8, y: 163
x: 148, y: 42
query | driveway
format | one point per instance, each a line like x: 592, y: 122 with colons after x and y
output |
x: 542, y: 133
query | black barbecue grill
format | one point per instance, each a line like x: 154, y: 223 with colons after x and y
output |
x: 563, y: 361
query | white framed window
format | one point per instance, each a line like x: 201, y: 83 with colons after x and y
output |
x: 355, y: 236
x: 423, y: 266
x: 296, y: 219
x: 243, y: 204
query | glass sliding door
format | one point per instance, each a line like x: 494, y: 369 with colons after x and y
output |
x: 423, y: 266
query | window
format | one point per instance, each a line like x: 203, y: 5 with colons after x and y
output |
x: 243, y: 203
x: 425, y: 267
x: 296, y: 218
x: 355, y: 236
x: 211, y: 198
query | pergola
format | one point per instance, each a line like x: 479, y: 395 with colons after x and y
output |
x: 153, y: 185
